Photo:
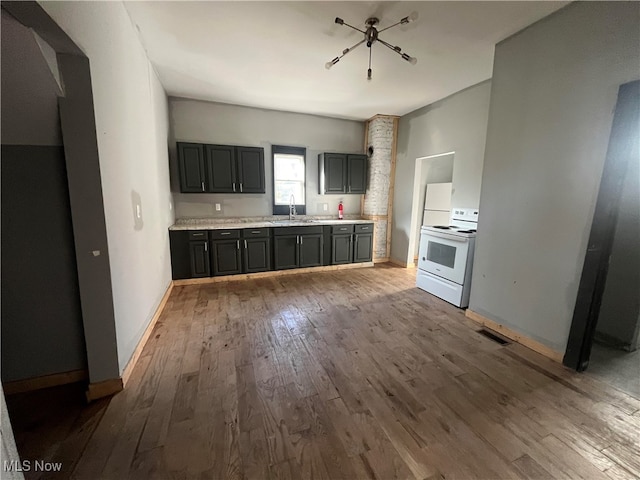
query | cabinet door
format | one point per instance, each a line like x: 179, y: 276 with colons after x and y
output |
x: 257, y: 255
x: 310, y: 250
x: 357, y: 173
x: 199, y: 259
x: 363, y: 247
x: 180, y: 254
x: 285, y: 252
x: 341, y: 249
x: 335, y: 173
x: 227, y: 258
x: 191, y: 166
x: 221, y: 169
x: 250, y: 169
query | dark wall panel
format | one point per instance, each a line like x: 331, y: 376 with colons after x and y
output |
x: 42, y: 329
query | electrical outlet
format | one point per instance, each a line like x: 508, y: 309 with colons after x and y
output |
x: 218, y: 207
x: 325, y: 207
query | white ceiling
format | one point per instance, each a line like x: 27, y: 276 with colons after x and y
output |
x: 272, y: 54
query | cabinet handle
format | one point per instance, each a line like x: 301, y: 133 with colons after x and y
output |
x: 344, y: 187
x: 297, y: 239
x: 225, y: 233
x: 240, y: 187
x: 256, y: 232
x: 365, y: 228
x: 197, y: 234
x: 234, y: 186
x: 238, y: 244
x: 202, y: 186
x: 349, y: 188
x: 300, y: 240
x: 205, y: 247
x: 245, y: 244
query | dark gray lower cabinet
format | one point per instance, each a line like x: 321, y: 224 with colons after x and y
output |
x: 351, y: 243
x: 285, y: 252
x: 310, y: 250
x: 296, y: 247
x: 362, y: 247
x: 341, y: 251
x: 227, y: 257
x: 202, y: 253
x: 257, y: 255
x: 199, y: 259
x: 189, y: 254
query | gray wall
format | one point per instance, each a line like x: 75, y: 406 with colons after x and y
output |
x: 459, y: 124
x: 131, y: 115
x: 620, y: 311
x: 29, y: 90
x: 554, y: 88
x: 42, y: 329
x: 205, y: 122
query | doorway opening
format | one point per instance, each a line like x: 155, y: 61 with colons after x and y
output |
x: 606, y: 320
x: 432, y: 169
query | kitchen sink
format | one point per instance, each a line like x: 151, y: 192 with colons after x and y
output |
x: 294, y: 222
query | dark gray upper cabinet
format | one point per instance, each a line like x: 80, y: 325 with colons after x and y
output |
x: 342, y: 173
x: 356, y: 173
x: 333, y: 172
x: 250, y: 161
x: 192, y: 167
x: 220, y: 168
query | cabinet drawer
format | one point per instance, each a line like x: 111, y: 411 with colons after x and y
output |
x: 224, y: 234
x: 255, y: 232
x: 364, y: 228
x: 341, y: 229
x: 199, y: 235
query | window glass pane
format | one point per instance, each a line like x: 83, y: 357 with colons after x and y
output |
x: 284, y: 190
x: 288, y: 178
x: 288, y: 167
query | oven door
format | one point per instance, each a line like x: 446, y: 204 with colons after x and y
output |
x: 443, y: 255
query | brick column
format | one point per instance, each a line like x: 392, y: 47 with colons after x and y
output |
x: 377, y: 205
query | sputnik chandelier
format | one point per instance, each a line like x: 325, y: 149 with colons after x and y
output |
x: 371, y: 36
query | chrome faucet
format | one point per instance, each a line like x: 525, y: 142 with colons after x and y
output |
x: 292, y: 207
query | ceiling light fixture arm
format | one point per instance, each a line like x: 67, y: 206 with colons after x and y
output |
x: 340, y: 21
x: 331, y: 63
x: 398, y: 50
x: 403, y: 21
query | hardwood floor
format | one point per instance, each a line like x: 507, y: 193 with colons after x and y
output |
x: 351, y: 374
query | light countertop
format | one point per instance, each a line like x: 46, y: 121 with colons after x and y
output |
x: 230, y: 223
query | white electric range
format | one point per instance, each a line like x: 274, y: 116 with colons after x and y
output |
x: 445, y: 257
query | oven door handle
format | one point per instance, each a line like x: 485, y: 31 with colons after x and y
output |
x: 453, y: 238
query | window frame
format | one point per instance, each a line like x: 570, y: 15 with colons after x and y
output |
x: 288, y: 150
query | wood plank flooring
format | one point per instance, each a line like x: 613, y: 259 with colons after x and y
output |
x: 351, y: 374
